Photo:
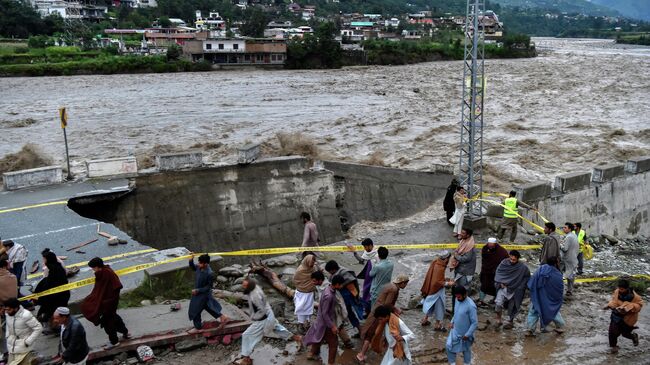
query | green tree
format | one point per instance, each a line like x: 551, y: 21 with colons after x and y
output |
x: 19, y: 19
x: 164, y: 22
x: 174, y: 52
x: 255, y: 22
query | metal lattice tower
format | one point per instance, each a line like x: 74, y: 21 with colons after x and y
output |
x: 471, y: 131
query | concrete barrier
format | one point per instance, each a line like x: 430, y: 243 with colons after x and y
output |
x: 48, y: 175
x: 638, y: 165
x: 179, y: 161
x: 534, y: 191
x: 122, y: 166
x: 572, y: 181
x: 248, y: 153
x: 606, y: 173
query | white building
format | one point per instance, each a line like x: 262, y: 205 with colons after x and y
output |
x: 147, y: 3
x: 224, y: 46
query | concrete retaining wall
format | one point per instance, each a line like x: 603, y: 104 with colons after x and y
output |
x: 179, y: 161
x: 258, y: 205
x: 48, y: 175
x: 123, y: 166
x: 225, y: 208
x: 378, y: 193
x: 619, y: 206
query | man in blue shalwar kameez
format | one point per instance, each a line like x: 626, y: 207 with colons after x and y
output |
x: 462, y: 327
x: 202, y: 294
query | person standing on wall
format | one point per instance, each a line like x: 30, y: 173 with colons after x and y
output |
x: 448, y: 204
x: 459, y: 214
x: 511, y: 216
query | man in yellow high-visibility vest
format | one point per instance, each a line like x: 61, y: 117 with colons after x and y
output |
x: 511, y: 216
x: 582, y: 240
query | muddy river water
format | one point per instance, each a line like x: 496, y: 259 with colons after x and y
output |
x: 581, y: 102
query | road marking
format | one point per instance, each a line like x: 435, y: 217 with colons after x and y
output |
x: 62, y: 202
x: 53, y: 231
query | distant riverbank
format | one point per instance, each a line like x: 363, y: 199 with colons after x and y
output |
x: 18, y: 60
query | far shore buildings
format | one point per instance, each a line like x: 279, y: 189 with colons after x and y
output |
x: 236, y: 51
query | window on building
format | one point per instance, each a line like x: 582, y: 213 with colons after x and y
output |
x: 235, y: 46
x: 208, y: 46
x: 247, y: 58
x: 280, y: 57
x: 220, y: 45
x: 272, y: 57
x: 259, y: 58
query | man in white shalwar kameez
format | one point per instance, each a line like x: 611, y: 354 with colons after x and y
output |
x: 395, y: 355
x: 263, y: 322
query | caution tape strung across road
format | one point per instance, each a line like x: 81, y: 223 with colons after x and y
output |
x: 285, y: 250
x: 105, y: 259
x: 252, y: 252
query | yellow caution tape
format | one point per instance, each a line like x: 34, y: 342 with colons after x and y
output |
x: 610, y: 278
x: 85, y: 282
x: 252, y: 252
x: 105, y: 259
x: 62, y: 202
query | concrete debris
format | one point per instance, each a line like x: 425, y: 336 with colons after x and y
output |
x: 189, y: 345
x: 231, y: 271
x: 288, y: 271
x: 222, y: 279
x: 280, y: 261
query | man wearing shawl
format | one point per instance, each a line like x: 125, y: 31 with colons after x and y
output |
x: 202, y: 298
x: 303, y: 298
x: 546, y: 289
x: 325, y: 329
x: 433, y: 292
x: 349, y: 292
x: 263, y: 322
x: 462, y: 327
x: 491, y: 256
x: 625, y: 306
x: 100, y: 307
x: 392, y: 335
x: 463, y: 262
x: 511, y: 279
x: 459, y: 215
x: 387, y: 297
x: 368, y: 258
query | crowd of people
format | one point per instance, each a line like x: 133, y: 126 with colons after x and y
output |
x: 21, y: 328
x: 330, y: 298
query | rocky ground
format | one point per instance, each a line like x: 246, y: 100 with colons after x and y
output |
x: 584, y: 342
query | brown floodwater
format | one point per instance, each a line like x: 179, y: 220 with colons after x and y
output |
x: 580, y: 102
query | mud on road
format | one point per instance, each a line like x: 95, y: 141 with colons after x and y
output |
x: 584, y: 342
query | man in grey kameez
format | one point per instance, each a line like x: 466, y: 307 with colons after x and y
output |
x: 570, y: 249
x: 263, y: 322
